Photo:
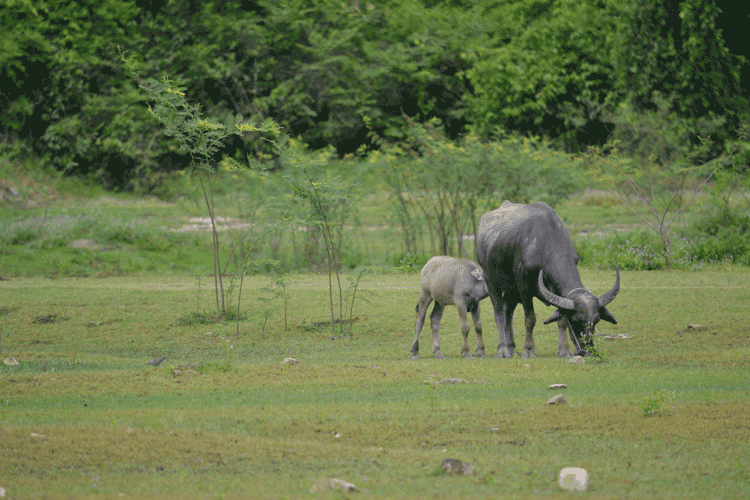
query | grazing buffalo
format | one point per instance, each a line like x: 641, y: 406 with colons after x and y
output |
x: 448, y: 280
x: 526, y: 252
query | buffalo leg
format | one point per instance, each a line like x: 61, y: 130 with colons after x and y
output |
x: 424, y: 302
x: 463, y: 316
x: 529, y: 350
x: 435, y: 317
x: 478, y: 328
x: 563, y: 348
x: 504, y: 318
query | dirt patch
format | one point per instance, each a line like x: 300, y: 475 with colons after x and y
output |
x: 49, y: 318
x: 321, y: 325
x: 204, y: 224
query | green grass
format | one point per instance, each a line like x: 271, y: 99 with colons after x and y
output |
x: 84, y: 416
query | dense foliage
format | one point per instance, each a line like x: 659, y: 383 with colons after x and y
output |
x: 339, y: 73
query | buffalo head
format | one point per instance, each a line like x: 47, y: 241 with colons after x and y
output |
x: 583, y: 310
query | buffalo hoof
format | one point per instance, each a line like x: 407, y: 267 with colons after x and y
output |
x: 439, y: 355
x: 480, y: 353
x: 414, y: 355
x: 528, y: 354
x: 565, y: 354
x: 466, y: 354
x: 504, y: 352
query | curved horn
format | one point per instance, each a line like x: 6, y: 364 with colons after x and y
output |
x: 555, y: 300
x: 610, y: 295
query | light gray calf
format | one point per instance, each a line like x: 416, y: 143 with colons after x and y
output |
x: 450, y: 281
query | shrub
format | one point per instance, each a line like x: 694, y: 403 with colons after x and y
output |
x: 599, y: 198
x: 410, y: 262
x: 720, y: 236
x: 634, y: 251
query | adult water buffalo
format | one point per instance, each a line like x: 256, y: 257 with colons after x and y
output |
x: 526, y: 252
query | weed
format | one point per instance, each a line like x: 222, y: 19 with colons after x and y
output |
x: 598, y: 353
x: 653, y: 402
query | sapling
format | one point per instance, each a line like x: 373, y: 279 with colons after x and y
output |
x: 200, y: 137
x: 355, y: 285
x: 324, y: 194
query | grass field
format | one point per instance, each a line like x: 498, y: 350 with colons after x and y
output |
x: 83, y: 415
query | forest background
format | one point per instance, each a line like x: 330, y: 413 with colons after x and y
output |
x: 424, y: 96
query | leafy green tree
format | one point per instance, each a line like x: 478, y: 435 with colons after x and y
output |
x: 545, y: 71
x: 63, y: 91
x: 672, y: 52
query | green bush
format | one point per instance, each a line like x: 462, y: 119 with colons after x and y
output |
x: 720, y: 236
x: 410, y: 262
x: 634, y: 251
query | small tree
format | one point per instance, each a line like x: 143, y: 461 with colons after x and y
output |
x: 199, y: 137
x: 327, y: 198
x: 654, y: 193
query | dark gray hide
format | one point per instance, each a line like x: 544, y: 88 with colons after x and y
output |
x: 450, y: 281
x: 526, y: 252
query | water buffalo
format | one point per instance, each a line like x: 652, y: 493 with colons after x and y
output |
x: 526, y: 252
x: 448, y: 280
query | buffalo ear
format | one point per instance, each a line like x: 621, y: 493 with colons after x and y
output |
x: 555, y: 317
x: 607, y: 316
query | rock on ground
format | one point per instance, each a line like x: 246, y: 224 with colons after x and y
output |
x: 332, y: 483
x: 573, y: 479
x: 558, y: 386
x: 577, y: 360
x: 557, y: 400
x: 156, y: 361
x: 453, y: 466
x: 454, y: 381
x: 290, y: 361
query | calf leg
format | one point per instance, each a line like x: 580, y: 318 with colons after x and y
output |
x: 463, y: 316
x: 435, y: 317
x: 529, y: 350
x: 563, y: 348
x: 424, y: 302
x: 478, y: 329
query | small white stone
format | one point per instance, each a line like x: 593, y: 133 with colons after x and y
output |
x: 558, y: 386
x: 290, y: 361
x: 577, y: 360
x: 573, y: 479
x: 10, y: 361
